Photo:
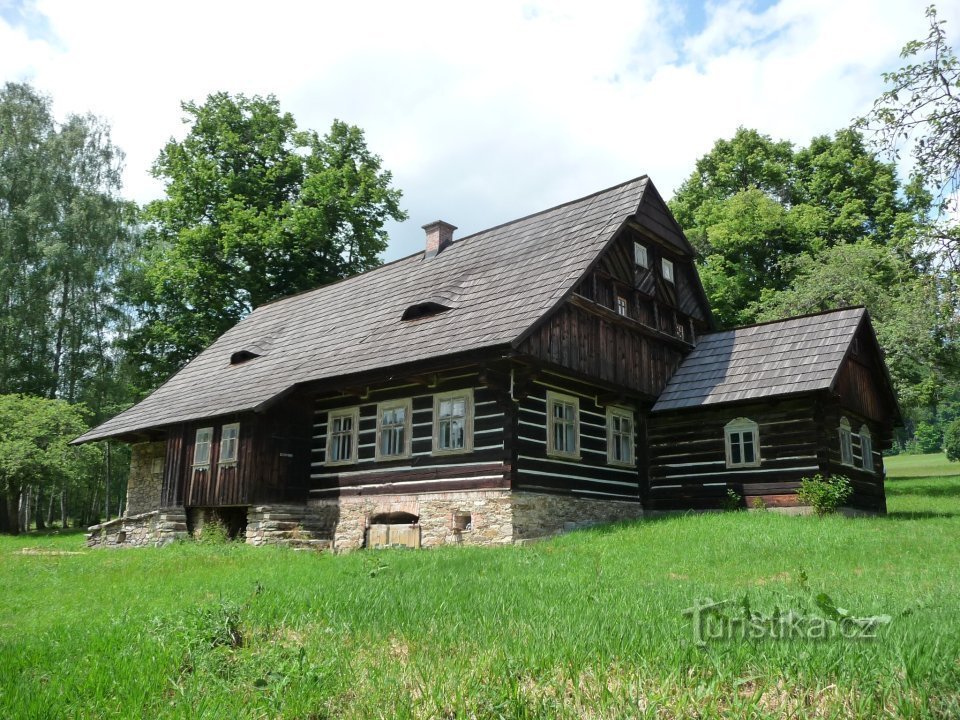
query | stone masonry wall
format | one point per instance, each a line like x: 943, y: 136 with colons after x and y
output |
x: 306, y: 526
x: 146, y: 477
x: 154, y: 528
x: 489, y: 513
x: 537, y: 515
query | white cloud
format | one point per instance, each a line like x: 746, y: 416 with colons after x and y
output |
x: 484, y: 112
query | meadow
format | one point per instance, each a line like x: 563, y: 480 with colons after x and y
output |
x: 587, y: 625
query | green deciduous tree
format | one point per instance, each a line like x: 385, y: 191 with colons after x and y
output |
x: 34, y: 451
x: 752, y: 204
x: 951, y: 441
x: 254, y: 210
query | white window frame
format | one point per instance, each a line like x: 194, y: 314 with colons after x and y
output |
x: 407, y: 428
x: 640, y: 255
x: 666, y: 267
x: 866, y: 448
x: 740, y: 426
x: 554, y: 399
x: 846, y: 442
x: 197, y: 463
x: 221, y: 460
x: 623, y: 307
x: 467, y: 396
x: 354, y: 414
x: 624, y: 413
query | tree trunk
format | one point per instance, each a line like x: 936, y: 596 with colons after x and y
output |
x: 50, y: 508
x: 25, y: 509
x: 106, y: 487
x: 4, y: 517
x: 63, y: 509
x: 13, y: 510
x: 38, y: 510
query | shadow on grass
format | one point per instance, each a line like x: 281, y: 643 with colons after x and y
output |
x: 53, y: 532
x: 918, y: 515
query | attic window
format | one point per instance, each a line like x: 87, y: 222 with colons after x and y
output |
x: 640, y: 255
x: 424, y: 309
x: 667, y: 266
x: 242, y: 356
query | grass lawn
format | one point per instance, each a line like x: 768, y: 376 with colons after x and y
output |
x: 588, y: 625
x: 920, y: 466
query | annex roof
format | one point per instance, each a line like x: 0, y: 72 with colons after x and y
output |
x: 801, y: 354
x: 494, y: 285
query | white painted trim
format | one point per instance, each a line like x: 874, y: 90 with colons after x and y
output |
x: 521, y: 472
x: 405, y: 467
x: 576, y: 464
x: 354, y: 414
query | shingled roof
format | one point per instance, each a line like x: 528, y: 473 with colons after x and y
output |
x: 497, y: 284
x: 801, y: 354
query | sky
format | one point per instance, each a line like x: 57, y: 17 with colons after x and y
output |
x: 485, y: 111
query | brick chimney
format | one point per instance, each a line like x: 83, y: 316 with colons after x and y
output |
x: 439, y: 235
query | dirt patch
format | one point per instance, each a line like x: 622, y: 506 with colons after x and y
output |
x: 43, y: 551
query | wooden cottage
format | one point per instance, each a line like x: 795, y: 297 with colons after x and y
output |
x: 758, y: 408
x: 486, y: 390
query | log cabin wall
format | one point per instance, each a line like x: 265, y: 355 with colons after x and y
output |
x: 688, y: 465
x: 590, y: 475
x: 868, y: 485
x: 271, y: 466
x: 486, y: 466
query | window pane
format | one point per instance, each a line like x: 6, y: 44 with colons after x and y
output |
x: 748, y: 456
x: 735, y: 448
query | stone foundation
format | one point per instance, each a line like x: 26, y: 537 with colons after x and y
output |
x: 308, y: 526
x: 537, y: 515
x: 146, y: 477
x: 154, y: 528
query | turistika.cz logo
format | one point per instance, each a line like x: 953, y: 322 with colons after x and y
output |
x: 737, y: 620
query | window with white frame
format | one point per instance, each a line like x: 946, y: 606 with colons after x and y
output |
x: 393, y: 429
x: 846, y: 442
x: 201, y: 447
x: 229, y: 443
x: 621, y: 305
x: 563, y: 425
x: 342, y: 436
x: 453, y: 422
x: 866, y: 448
x: 742, y: 439
x: 620, y: 436
x: 667, y: 266
x: 640, y: 255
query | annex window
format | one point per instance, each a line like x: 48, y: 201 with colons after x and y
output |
x: 743, y: 443
x: 846, y: 442
x: 201, y: 447
x: 620, y: 436
x: 393, y: 429
x: 229, y: 443
x: 563, y: 425
x: 342, y: 436
x: 667, y: 267
x: 622, y: 305
x: 640, y: 255
x: 866, y: 448
x: 453, y: 421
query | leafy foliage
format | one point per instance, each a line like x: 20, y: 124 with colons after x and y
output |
x: 951, y: 441
x: 34, y: 450
x: 824, y: 495
x: 928, y: 438
x: 753, y: 204
x: 255, y: 209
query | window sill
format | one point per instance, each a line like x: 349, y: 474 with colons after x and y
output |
x: 742, y: 466
x: 564, y: 456
x: 390, y: 458
x: 621, y: 464
x: 444, y: 453
x: 227, y: 463
x: 340, y: 463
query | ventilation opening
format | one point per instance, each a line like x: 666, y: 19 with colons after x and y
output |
x: 396, y: 529
x: 462, y: 522
x: 425, y: 309
x: 242, y: 356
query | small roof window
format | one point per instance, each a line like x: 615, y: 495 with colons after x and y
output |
x: 242, y: 356
x: 424, y: 309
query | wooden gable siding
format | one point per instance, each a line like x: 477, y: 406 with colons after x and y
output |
x: 861, y: 379
x: 272, y: 458
x: 486, y: 466
x: 688, y: 455
x: 590, y: 476
x: 596, y: 343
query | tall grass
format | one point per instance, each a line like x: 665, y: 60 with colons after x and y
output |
x: 590, y: 624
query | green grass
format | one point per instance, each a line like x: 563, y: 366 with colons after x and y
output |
x: 920, y: 466
x: 589, y: 625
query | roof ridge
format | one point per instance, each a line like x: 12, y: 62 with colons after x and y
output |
x: 783, y: 320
